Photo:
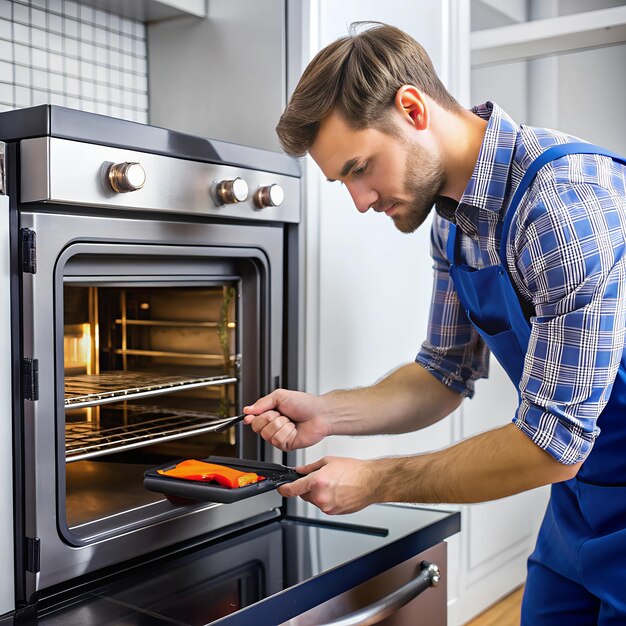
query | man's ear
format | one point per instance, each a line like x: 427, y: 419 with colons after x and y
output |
x: 411, y: 104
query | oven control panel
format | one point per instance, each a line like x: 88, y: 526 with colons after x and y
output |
x: 68, y: 172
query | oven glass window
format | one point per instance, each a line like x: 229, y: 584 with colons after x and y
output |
x: 149, y: 372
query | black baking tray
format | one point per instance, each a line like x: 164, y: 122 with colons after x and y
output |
x: 181, y: 490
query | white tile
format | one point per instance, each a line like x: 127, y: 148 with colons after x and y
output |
x: 87, y: 51
x: 88, y: 89
x: 6, y: 93
x: 39, y: 58
x: 142, y: 101
x: 72, y: 66
x: 115, y: 77
x: 128, y: 98
x: 114, y: 40
x: 39, y: 79
x: 6, y: 51
x: 55, y: 42
x: 115, y: 95
x: 70, y: 27
x: 5, y: 10
x: 139, y: 29
x: 22, y: 96
x: 127, y: 26
x: 127, y: 43
x: 56, y: 6
x: 86, y: 13
x: 21, y: 13
x: 55, y: 23
x: 115, y: 23
x: 6, y: 72
x: 102, y: 108
x: 116, y: 111
x: 22, y: 74
x: 39, y: 4
x: 55, y: 62
x: 141, y: 66
x: 38, y: 18
x: 102, y: 74
x: 87, y: 70
x: 21, y: 54
x: 86, y: 32
x: 102, y: 92
x: 6, y: 30
x: 40, y: 97
x: 140, y: 47
x: 128, y: 80
x: 71, y: 47
x: 6, y: 107
x: 100, y: 17
x: 71, y: 8
x: 100, y: 36
x: 73, y: 103
x: 21, y: 33
x: 72, y: 86
x: 115, y: 58
x: 57, y: 98
x: 56, y: 82
x: 88, y: 105
x: 38, y: 38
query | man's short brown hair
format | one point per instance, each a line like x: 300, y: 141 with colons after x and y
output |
x: 358, y: 75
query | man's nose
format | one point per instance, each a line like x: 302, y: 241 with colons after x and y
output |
x: 362, y: 197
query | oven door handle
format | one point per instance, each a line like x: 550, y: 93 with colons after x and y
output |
x: 429, y: 576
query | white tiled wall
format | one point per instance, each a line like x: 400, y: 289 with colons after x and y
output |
x: 67, y: 53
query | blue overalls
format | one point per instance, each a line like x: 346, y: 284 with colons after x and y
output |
x: 577, y: 572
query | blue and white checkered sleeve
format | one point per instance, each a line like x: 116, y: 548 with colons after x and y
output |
x: 453, y: 352
x: 570, y: 251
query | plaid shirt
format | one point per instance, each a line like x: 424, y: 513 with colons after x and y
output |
x: 566, y: 258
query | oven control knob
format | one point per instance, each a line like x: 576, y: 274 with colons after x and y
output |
x: 232, y: 191
x: 272, y: 195
x: 126, y: 177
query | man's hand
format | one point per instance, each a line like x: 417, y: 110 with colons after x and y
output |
x: 336, y: 485
x: 289, y: 419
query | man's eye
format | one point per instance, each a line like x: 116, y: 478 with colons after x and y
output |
x: 357, y: 171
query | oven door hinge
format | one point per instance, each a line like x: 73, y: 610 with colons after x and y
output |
x: 33, y: 550
x: 30, y: 387
x: 29, y: 250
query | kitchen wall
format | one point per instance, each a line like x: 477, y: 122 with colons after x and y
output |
x: 581, y: 92
x: 67, y: 53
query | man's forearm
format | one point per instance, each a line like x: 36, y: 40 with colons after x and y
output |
x: 407, y: 399
x: 491, y: 465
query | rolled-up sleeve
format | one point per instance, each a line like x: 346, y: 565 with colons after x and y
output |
x: 570, y: 261
x: 453, y: 352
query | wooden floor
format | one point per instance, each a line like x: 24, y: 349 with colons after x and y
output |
x: 504, y: 613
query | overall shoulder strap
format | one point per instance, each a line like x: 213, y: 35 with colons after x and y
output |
x: 551, y: 154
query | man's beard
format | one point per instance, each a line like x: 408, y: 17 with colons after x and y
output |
x: 424, y: 180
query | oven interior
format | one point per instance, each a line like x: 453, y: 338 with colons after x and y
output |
x: 149, y: 371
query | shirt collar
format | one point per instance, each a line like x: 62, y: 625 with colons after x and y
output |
x: 488, y: 186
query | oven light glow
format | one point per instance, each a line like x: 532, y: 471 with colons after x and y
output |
x: 231, y: 325
x: 144, y: 306
x: 77, y: 348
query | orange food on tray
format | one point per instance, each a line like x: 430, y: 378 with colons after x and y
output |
x: 207, y: 472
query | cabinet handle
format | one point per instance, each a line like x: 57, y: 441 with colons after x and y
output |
x: 429, y: 576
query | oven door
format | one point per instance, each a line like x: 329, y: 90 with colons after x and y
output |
x: 145, y: 335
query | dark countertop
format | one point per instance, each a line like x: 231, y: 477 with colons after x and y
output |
x: 264, y: 576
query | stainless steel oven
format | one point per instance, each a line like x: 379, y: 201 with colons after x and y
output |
x: 154, y: 295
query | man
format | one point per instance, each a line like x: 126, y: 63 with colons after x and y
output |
x: 529, y: 242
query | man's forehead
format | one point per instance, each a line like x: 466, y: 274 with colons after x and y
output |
x: 337, y: 146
